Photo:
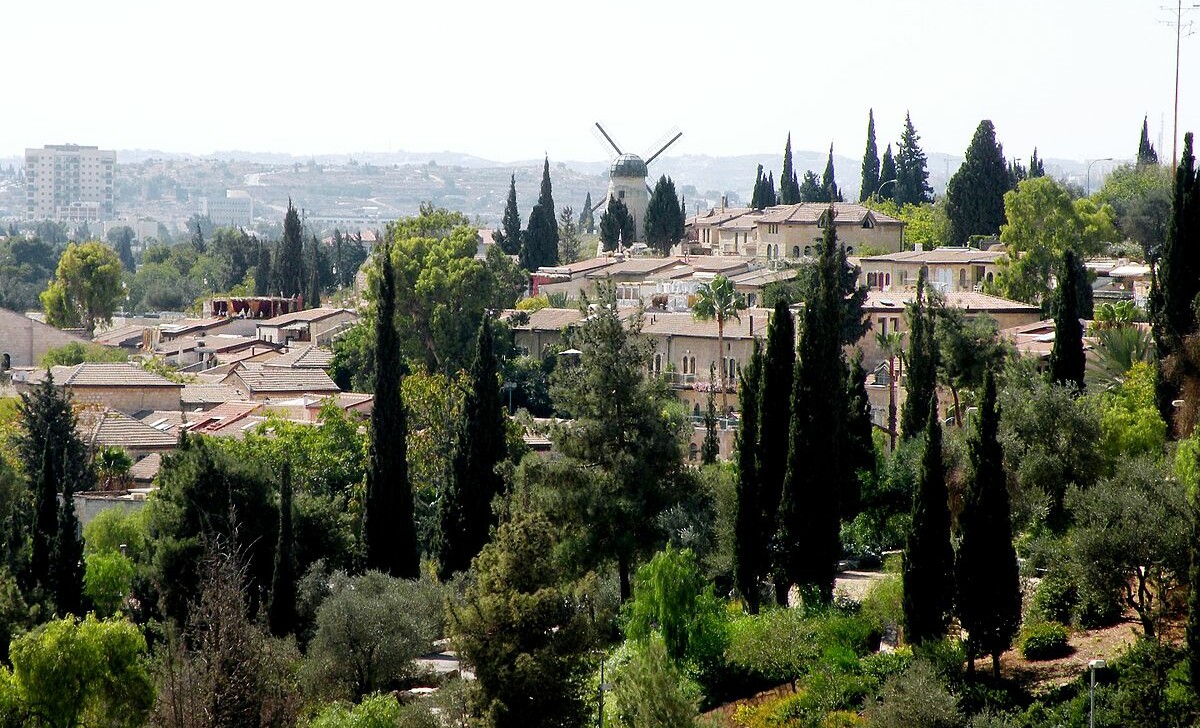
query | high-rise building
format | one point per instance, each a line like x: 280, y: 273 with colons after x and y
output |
x: 235, y: 209
x: 69, y: 183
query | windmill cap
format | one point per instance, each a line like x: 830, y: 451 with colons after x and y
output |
x: 628, y: 165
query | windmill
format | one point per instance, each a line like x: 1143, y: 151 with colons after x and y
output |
x: 627, y: 177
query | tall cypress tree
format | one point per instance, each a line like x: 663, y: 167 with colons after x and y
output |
x: 817, y: 472
x: 66, y: 573
x: 1146, y: 154
x: 928, y: 556
x: 1067, y: 360
x: 616, y: 225
x: 769, y: 196
x: 829, y: 188
x: 289, y: 261
x: 281, y: 614
x: 314, y: 276
x: 870, y: 163
x: 546, y: 200
x: 756, y: 195
x: 662, y: 227
x: 789, y: 186
x: 860, y: 443
x: 986, y: 575
x: 509, y: 238
x: 774, y: 420
x: 887, y: 173
x: 1036, y: 167
x: 750, y: 540
x: 975, y: 194
x: 465, y: 514
x: 262, y: 271
x: 710, y: 449
x: 921, y: 383
x: 912, y: 175
x: 389, y: 532
x: 587, y: 221
x: 539, y: 242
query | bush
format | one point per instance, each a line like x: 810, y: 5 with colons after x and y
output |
x: 883, y: 605
x: 1055, y: 599
x: 648, y: 691
x: 375, y: 711
x: 915, y: 699
x: 1043, y: 641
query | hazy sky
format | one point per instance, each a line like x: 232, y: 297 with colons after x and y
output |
x: 511, y: 80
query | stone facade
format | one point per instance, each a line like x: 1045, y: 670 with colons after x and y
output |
x: 24, y: 341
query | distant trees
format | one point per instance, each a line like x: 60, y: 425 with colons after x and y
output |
x: 912, y: 175
x: 789, y: 187
x: 928, y: 555
x: 663, y: 226
x: 288, y: 265
x: 616, y: 225
x: 539, y: 242
x: 388, y: 531
x: 587, y: 221
x: 829, y: 188
x: 509, y: 236
x: 121, y: 238
x: 763, y: 194
x: 86, y: 287
x: 975, y: 194
x: 568, y: 236
x: 1146, y: 155
x: 262, y: 271
x: 887, y: 173
x: 870, y: 163
x: 810, y: 187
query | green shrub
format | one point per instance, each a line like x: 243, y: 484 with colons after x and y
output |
x: 1055, y: 599
x: 915, y: 699
x: 883, y: 605
x: 649, y: 691
x: 1043, y: 641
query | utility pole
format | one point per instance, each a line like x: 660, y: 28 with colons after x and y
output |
x: 1178, y: 23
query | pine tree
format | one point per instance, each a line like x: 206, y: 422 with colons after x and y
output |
x: 465, y: 513
x: 829, y: 188
x: 262, y: 271
x: 810, y: 187
x: 928, y: 555
x: 662, y: 227
x: 817, y: 473
x: 1067, y: 360
x: 870, y: 163
x: 289, y: 261
x: 388, y: 529
x: 975, y: 194
x: 509, y: 238
x: 281, y: 614
x: 921, y: 383
x: 1146, y: 154
x: 1036, y: 168
x: 912, y: 175
x: 314, y: 277
x: 587, y: 221
x: 789, y: 187
x: 710, y: 449
x: 546, y: 200
x: 750, y: 542
x: 986, y: 576
x: 775, y: 414
x: 887, y: 173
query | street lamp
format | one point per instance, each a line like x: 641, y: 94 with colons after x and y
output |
x: 885, y: 184
x: 1089, y: 172
x: 1093, y: 666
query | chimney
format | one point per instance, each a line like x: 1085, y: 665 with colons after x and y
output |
x: 724, y: 202
x: 751, y: 326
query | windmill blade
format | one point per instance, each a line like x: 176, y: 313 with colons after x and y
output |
x: 667, y: 140
x: 602, y: 203
x: 603, y: 134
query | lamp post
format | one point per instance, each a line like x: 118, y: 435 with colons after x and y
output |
x: 1089, y: 172
x: 880, y: 188
x: 1093, y: 666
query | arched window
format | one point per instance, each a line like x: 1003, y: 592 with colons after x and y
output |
x: 658, y: 363
x: 962, y: 277
x: 870, y: 280
x: 795, y: 251
x: 989, y: 277
x: 887, y: 279
x: 692, y: 361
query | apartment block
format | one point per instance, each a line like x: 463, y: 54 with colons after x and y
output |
x: 235, y: 209
x: 69, y: 183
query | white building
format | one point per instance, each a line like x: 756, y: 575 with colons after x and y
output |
x: 236, y: 209
x: 69, y: 183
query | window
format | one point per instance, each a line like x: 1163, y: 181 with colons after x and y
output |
x: 808, y: 250
x: 895, y: 324
x: 620, y: 194
x: 962, y: 277
x: 883, y: 329
x: 658, y: 363
x: 795, y: 251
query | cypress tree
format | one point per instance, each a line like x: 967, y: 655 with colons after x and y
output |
x: 546, y: 200
x: 616, y: 225
x: 67, y: 560
x: 314, y: 277
x: 662, y: 227
x: 281, y: 615
x: 870, y: 163
x: 1177, y: 279
x: 539, y: 242
x: 928, y: 556
x: 776, y: 383
x: 1017, y: 173
x: 587, y: 221
x: 388, y: 529
x: 509, y: 237
x: 465, y: 514
x: 921, y: 383
x: 750, y: 557
x: 912, y: 176
x: 198, y: 240
x: 817, y: 473
x: 1146, y: 154
x: 887, y: 173
x: 789, y: 187
x: 769, y: 196
x: 829, y: 188
x: 1067, y: 360
x: 125, y: 251
x: 986, y: 575
x: 1036, y: 168
x: 860, y: 443
x: 262, y: 271
x: 289, y: 262
x: 710, y: 449
x: 975, y: 194
x: 756, y: 195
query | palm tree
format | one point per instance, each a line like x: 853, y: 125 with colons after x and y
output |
x: 892, y: 344
x: 721, y: 301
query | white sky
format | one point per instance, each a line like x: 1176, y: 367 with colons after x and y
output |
x: 511, y: 80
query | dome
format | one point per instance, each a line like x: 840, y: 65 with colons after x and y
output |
x: 628, y: 165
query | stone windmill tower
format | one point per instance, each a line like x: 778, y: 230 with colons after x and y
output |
x: 627, y: 178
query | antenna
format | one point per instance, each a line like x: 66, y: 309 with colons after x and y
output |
x: 609, y: 139
x: 1178, y: 25
x: 667, y: 140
